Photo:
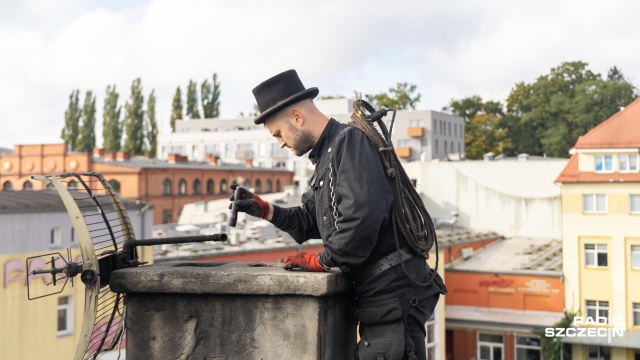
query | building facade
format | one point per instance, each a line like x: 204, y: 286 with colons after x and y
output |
x: 601, y: 235
x: 168, y: 184
x: 417, y: 136
x: 35, y: 223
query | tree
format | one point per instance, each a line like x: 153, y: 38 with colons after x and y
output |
x: 71, y: 120
x: 151, y: 126
x: 134, y: 121
x: 111, y: 124
x: 210, y: 98
x: 552, y: 348
x: 399, y: 98
x: 484, y: 129
x: 548, y: 116
x: 192, y: 101
x: 87, y: 132
x: 176, y: 109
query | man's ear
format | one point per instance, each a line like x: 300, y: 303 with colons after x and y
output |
x: 297, y: 118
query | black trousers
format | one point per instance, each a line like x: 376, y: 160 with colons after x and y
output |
x: 415, y: 330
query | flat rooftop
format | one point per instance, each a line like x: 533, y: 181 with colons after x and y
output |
x: 518, y: 255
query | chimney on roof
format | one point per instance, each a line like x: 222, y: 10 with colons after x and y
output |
x: 109, y: 156
x: 248, y: 163
x: 212, y: 159
x: 176, y: 158
x: 122, y: 156
x: 98, y: 152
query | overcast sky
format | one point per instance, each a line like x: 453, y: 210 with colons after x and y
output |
x: 449, y: 49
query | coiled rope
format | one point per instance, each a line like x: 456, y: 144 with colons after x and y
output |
x: 409, y: 212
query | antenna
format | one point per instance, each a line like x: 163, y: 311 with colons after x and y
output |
x: 107, y: 243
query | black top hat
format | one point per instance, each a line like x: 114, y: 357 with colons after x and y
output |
x: 280, y: 91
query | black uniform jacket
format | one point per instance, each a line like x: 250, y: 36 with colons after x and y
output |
x: 349, y: 206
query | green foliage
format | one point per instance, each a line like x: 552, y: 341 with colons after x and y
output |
x: 548, y: 116
x: 111, y: 124
x: 192, y: 100
x: 71, y: 120
x: 176, y: 109
x: 151, y: 126
x: 87, y: 133
x: 210, y: 98
x: 399, y: 98
x: 134, y: 121
x: 552, y: 348
x: 484, y: 129
x: 483, y: 134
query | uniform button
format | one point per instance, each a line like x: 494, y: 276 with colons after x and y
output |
x: 324, y: 218
x: 329, y: 150
x: 321, y: 182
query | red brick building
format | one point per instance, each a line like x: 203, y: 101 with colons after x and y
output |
x: 168, y: 185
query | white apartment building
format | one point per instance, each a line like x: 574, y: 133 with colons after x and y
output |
x: 418, y: 135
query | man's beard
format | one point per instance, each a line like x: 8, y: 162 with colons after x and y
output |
x: 303, y: 141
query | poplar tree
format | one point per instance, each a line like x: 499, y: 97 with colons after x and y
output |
x: 71, y: 119
x: 151, y: 126
x: 111, y: 124
x: 87, y: 133
x: 210, y: 98
x: 176, y: 109
x: 192, y: 100
x: 134, y: 120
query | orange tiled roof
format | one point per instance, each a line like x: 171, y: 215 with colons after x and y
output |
x: 621, y: 130
x: 570, y: 174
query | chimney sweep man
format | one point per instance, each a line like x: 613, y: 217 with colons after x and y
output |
x: 348, y: 206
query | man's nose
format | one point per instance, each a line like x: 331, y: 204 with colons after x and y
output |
x: 282, y: 144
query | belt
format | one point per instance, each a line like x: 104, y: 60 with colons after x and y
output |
x: 383, y: 264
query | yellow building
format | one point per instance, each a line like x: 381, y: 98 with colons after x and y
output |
x: 36, y: 223
x: 601, y: 238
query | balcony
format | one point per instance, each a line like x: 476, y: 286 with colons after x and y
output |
x: 403, y: 152
x: 416, y: 132
x: 279, y: 154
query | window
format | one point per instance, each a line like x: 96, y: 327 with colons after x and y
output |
x: 65, y: 315
x: 56, y: 238
x: 277, y: 185
x: 72, y: 185
x: 211, y: 149
x: 166, y: 187
x: 455, y: 130
x: 634, y: 203
x: 404, y: 143
x: 635, y: 257
x: 115, y: 186
x: 594, y: 203
x: 262, y: 149
x: 195, y: 152
x: 449, y: 131
x: 228, y: 150
x: 210, y: 187
x: 527, y: 347
x: 628, y: 162
x: 595, y: 255
x: 196, y: 186
x: 597, y: 309
x: 430, y: 339
x: 258, y: 186
x: 223, y: 186
x: 182, y: 187
x: 636, y: 314
x: 451, y: 146
x: 459, y: 151
x: 490, y: 346
x: 445, y: 147
x: 598, y: 352
x: 436, y: 147
x: 268, y: 186
x: 7, y: 186
x: 166, y: 216
x: 604, y: 163
x: 27, y: 185
x: 247, y: 184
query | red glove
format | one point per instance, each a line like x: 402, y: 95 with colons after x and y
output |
x: 304, y: 261
x: 250, y: 203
